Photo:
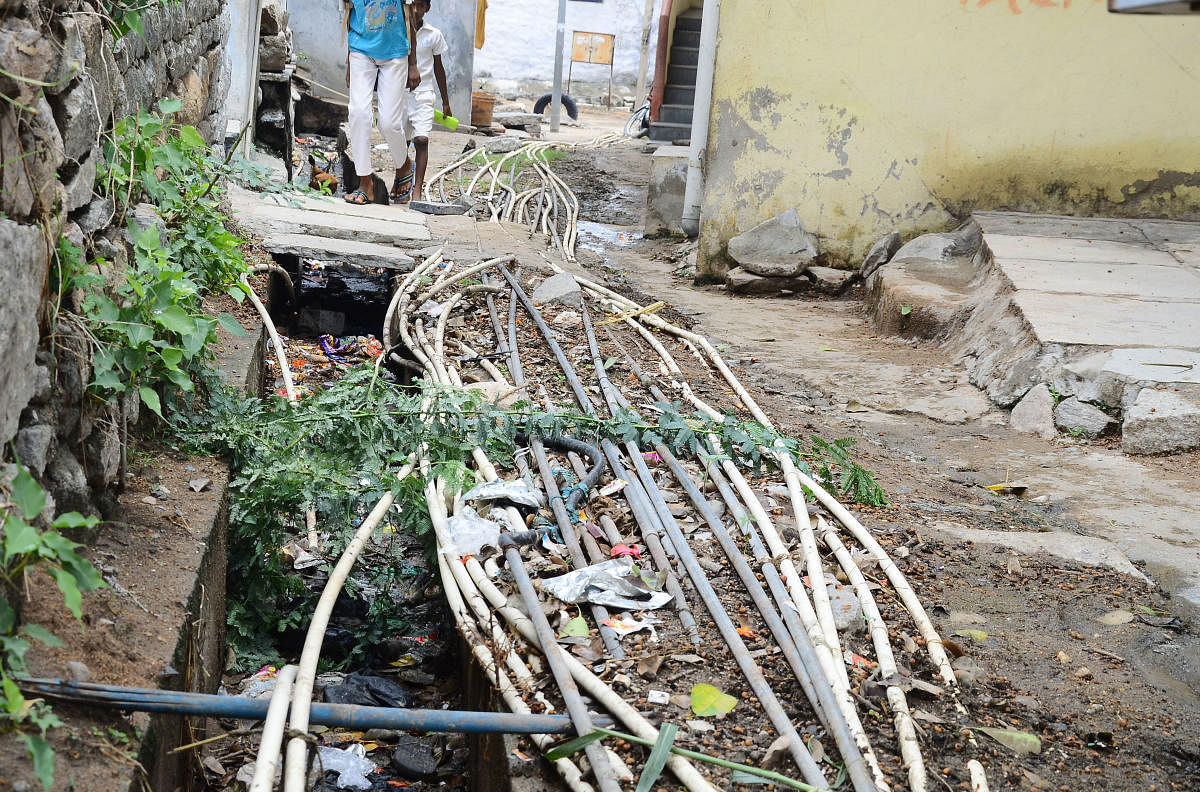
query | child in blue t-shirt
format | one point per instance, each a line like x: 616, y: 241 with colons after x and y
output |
x: 382, y: 58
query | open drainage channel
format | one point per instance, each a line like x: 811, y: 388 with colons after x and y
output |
x: 675, y: 569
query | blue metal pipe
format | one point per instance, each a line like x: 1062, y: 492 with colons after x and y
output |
x: 345, y: 716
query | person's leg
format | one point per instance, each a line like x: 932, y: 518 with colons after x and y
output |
x: 420, y: 121
x: 420, y: 161
x: 362, y: 87
x: 393, y: 74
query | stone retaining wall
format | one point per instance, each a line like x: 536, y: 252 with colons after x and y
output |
x: 50, y: 146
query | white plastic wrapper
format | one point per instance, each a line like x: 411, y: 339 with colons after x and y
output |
x: 610, y: 583
x: 516, y: 491
x: 469, y: 533
x: 350, y: 765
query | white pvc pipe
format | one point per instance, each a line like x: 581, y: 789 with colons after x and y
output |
x: 296, y: 767
x: 272, y: 735
x: 693, y: 194
x: 276, y: 341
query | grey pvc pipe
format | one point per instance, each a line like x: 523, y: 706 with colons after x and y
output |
x: 643, y: 512
x: 601, y: 764
x: 754, y: 676
x: 818, y: 690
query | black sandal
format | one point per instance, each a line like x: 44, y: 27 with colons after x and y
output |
x: 358, y: 198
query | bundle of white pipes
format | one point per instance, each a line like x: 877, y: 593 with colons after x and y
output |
x: 479, y: 605
x: 473, y: 585
x: 520, y: 187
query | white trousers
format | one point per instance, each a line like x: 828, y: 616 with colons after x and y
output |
x: 391, y: 76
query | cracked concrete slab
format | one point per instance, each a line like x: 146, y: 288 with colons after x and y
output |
x: 1092, y: 320
x: 1104, y: 279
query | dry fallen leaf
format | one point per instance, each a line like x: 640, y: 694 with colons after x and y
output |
x: 648, y: 667
x: 1115, y: 617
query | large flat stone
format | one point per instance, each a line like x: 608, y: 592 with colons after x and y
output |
x: 265, y: 218
x: 362, y: 254
x: 1039, y: 248
x: 1103, y: 278
x: 1110, y: 321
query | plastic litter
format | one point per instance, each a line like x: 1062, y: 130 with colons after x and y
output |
x: 260, y: 684
x: 516, y: 491
x: 351, y: 765
x: 623, y: 627
x: 369, y: 690
x: 612, y: 583
x: 469, y: 533
x: 414, y: 757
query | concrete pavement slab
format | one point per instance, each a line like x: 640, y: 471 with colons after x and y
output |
x: 1020, y: 224
x: 1103, y: 278
x: 1032, y: 248
x: 1110, y: 321
x: 267, y: 219
x: 363, y: 254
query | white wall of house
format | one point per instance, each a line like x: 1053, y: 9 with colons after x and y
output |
x: 518, y: 52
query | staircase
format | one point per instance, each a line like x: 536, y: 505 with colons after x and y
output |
x: 675, y: 116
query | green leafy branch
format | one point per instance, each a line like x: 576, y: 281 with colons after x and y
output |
x: 26, y: 549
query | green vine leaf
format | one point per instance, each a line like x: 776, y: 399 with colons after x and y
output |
x: 28, y: 494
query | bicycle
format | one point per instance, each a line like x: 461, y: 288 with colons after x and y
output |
x: 638, y: 125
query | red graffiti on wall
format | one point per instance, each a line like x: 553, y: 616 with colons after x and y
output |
x: 1015, y: 5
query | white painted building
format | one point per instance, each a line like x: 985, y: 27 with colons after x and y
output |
x: 518, y: 52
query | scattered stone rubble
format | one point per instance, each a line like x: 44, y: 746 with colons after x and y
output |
x: 779, y: 255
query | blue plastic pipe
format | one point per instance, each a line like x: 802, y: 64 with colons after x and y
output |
x: 346, y: 716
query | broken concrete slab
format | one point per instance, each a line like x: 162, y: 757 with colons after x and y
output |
x: 780, y: 247
x: 560, y: 289
x: 1071, y: 546
x: 1057, y: 249
x: 827, y: 279
x: 362, y: 254
x: 267, y: 219
x: 1034, y: 414
x: 1089, y: 320
x: 1104, y: 278
x: 1063, y: 226
x: 741, y: 281
x: 1072, y: 415
x: 880, y: 253
x: 1161, y: 421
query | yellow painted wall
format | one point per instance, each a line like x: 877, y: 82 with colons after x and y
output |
x: 874, y: 115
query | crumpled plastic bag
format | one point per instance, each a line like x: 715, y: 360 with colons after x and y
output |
x: 610, y: 583
x: 515, y: 491
x: 369, y: 690
x: 351, y: 766
x: 469, y: 533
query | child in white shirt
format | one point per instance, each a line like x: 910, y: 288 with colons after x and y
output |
x: 431, y: 45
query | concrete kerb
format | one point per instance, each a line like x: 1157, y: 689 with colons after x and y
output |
x: 1014, y: 329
